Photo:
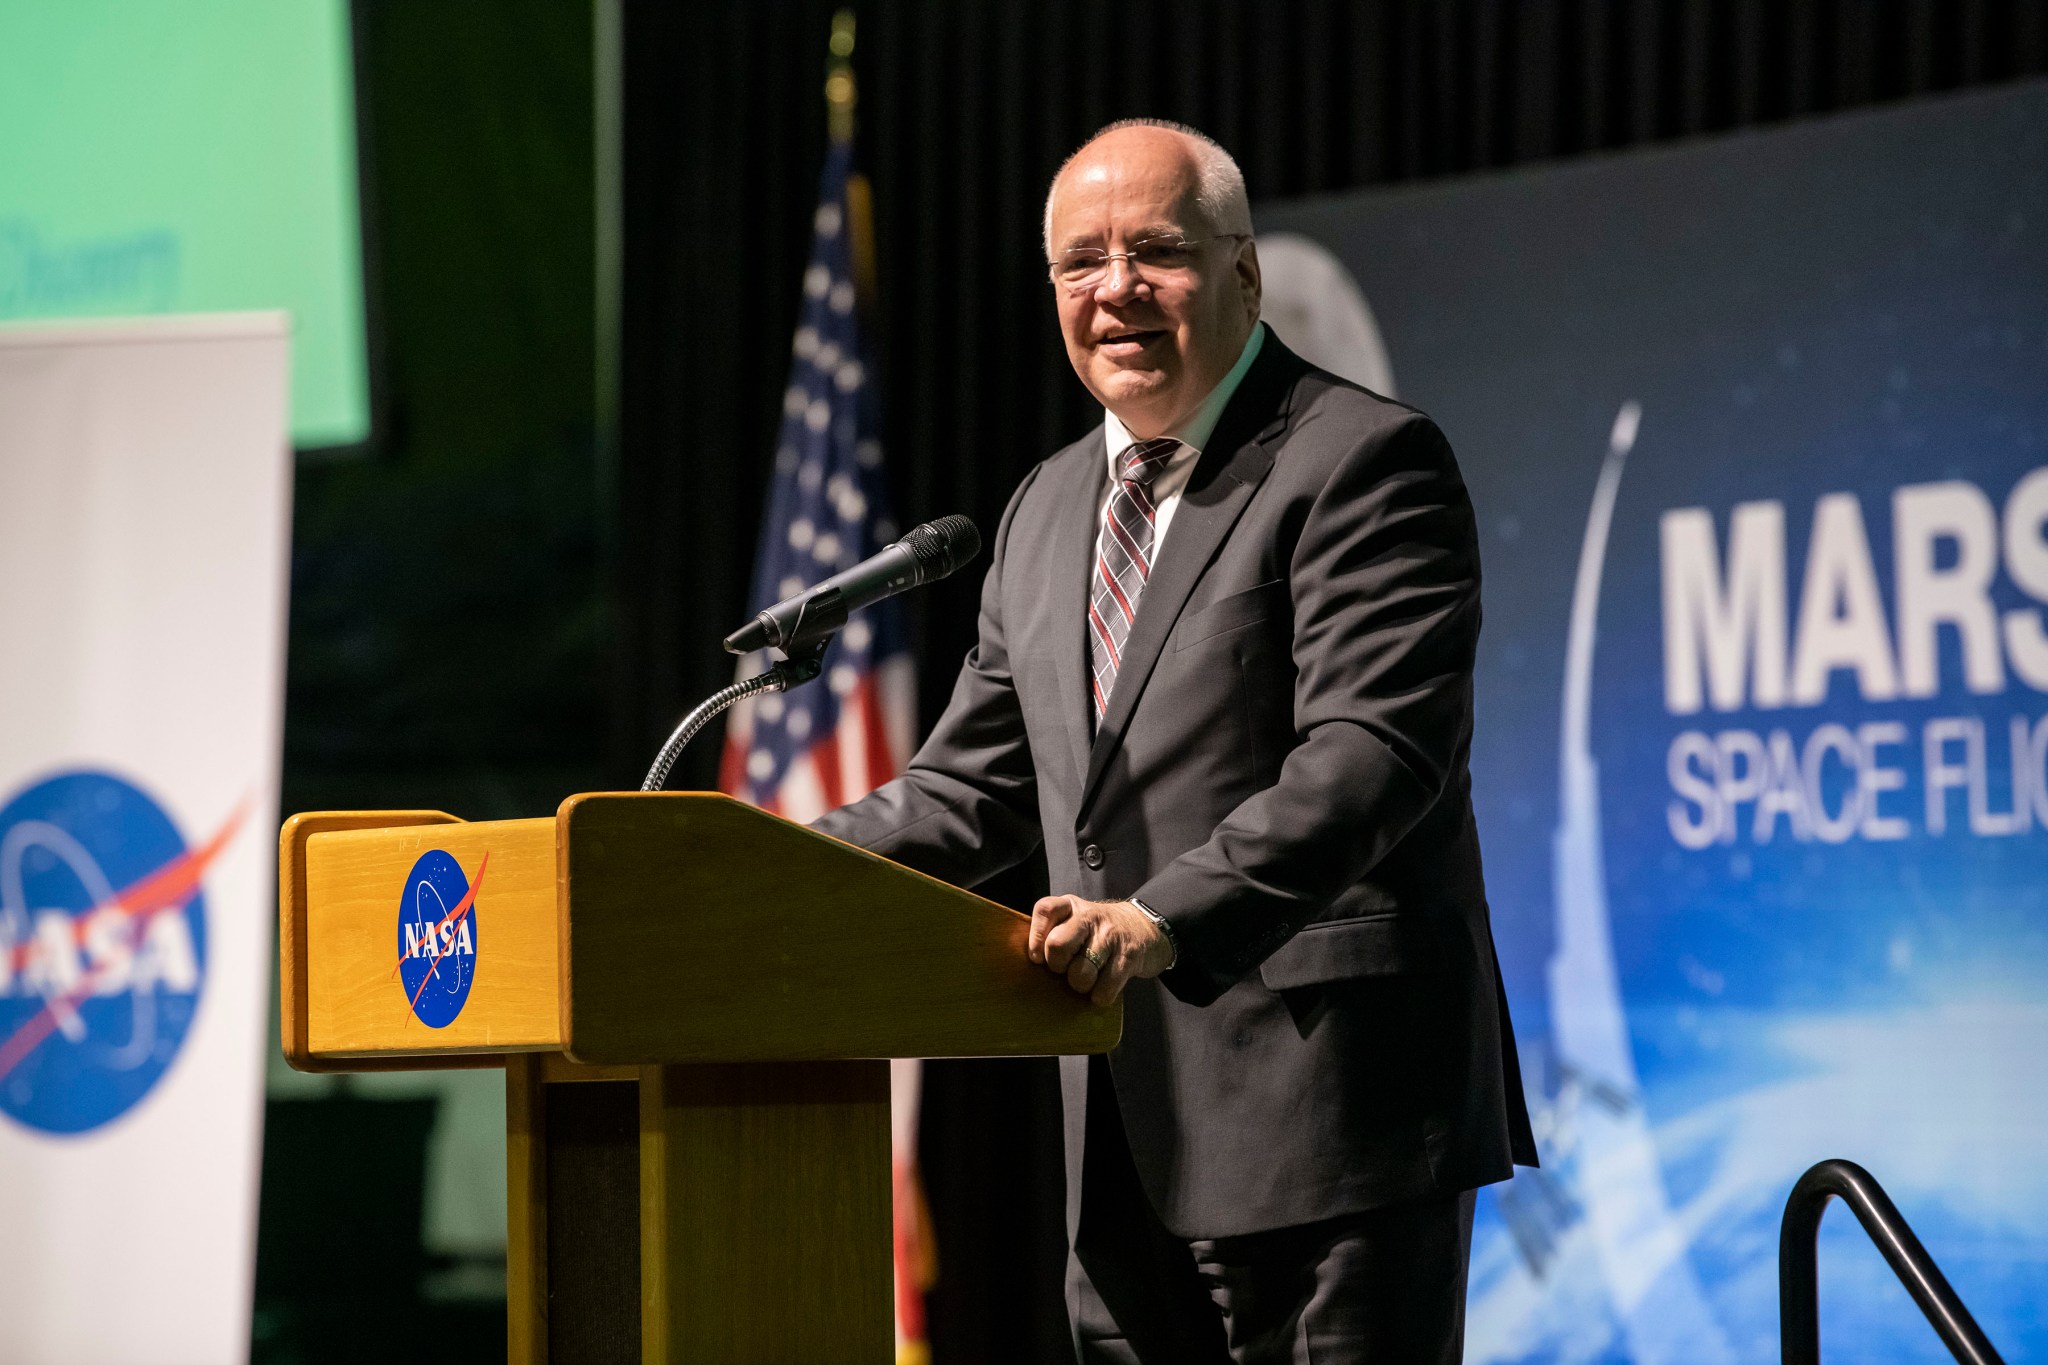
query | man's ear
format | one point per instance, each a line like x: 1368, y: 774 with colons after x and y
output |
x: 1250, y: 283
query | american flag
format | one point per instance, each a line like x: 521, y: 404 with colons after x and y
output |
x: 821, y: 746
x: 803, y: 753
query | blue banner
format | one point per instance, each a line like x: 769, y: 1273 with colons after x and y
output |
x: 1758, y: 434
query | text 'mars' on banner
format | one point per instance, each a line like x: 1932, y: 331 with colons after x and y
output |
x: 1758, y: 435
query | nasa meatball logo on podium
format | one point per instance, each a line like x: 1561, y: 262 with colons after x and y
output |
x: 102, y: 949
x: 437, y: 937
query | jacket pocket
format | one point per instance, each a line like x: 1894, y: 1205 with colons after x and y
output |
x: 1258, y: 603
x: 1339, y: 950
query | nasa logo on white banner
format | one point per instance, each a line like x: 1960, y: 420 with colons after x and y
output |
x: 102, y: 949
x: 437, y: 937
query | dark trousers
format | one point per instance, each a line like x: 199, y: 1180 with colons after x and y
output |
x: 1387, y: 1285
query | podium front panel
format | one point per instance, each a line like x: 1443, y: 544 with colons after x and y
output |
x: 428, y: 939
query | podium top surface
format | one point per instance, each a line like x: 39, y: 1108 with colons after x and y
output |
x: 641, y: 929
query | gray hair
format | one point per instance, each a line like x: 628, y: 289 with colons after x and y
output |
x: 1219, y: 184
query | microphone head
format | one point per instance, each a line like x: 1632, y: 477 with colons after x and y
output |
x: 942, y: 546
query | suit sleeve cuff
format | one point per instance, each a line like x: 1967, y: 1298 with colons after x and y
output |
x: 1214, y: 948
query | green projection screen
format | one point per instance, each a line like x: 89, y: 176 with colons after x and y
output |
x: 189, y: 157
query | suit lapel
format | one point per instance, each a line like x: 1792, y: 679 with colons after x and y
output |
x: 1073, y: 561
x: 1231, y: 467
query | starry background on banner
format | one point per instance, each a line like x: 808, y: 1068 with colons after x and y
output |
x: 828, y: 509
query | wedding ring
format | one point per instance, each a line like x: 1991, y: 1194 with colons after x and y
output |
x: 1100, y: 960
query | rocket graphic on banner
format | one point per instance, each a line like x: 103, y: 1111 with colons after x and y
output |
x: 1761, y: 749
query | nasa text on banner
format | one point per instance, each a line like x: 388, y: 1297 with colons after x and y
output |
x: 1758, y: 440
x: 821, y: 746
x: 144, y: 516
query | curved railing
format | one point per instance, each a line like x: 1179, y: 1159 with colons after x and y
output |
x: 1799, y: 1278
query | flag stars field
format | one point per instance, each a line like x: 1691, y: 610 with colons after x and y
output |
x: 818, y: 747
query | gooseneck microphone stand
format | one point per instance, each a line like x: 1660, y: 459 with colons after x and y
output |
x: 800, y: 667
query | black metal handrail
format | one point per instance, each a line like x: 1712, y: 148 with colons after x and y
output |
x: 1799, y: 1272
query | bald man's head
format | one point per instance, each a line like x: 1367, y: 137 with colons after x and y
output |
x: 1218, y: 183
x: 1148, y: 237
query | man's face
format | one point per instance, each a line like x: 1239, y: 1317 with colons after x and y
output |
x: 1149, y: 344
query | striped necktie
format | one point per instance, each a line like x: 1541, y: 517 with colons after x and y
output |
x: 1123, y: 560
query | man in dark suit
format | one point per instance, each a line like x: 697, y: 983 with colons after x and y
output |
x: 1224, y: 676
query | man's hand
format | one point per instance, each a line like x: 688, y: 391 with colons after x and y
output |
x: 1097, y: 945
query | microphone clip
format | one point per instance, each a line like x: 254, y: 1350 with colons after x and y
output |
x: 801, y: 664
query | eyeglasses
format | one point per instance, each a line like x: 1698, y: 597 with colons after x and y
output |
x: 1154, y: 258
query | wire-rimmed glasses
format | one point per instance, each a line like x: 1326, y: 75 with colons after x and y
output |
x: 1153, y: 258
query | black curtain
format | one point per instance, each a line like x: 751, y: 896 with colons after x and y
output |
x: 450, y: 625
x: 965, y: 113
x: 449, y: 642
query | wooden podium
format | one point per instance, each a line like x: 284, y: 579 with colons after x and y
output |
x: 692, y: 1001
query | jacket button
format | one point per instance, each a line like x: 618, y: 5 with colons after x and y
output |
x: 1092, y: 855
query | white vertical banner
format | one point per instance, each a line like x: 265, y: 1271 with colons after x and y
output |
x: 145, y: 519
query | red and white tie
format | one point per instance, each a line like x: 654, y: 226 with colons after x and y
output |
x: 1124, y: 560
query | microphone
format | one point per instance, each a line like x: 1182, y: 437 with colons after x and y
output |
x: 927, y: 554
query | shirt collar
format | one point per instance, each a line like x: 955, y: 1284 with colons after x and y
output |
x: 1196, y: 431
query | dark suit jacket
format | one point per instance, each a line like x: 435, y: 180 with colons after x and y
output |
x: 1282, y: 775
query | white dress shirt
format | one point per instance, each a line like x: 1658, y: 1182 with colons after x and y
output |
x: 1192, y: 434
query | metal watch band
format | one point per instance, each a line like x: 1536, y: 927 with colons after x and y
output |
x: 1164, y: 928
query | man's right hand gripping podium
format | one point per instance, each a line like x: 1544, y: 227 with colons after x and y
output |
x: 1223, y: 677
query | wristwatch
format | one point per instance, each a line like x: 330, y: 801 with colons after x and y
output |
x: 1164, y: 928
